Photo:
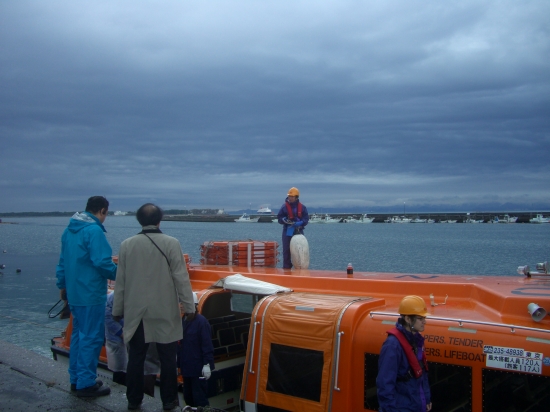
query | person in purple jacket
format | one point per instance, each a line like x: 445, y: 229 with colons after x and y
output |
x: 196, y: 358
x: 402, y: 381
x: 294, y: 217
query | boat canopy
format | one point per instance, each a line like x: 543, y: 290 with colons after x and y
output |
x: 240, y: 283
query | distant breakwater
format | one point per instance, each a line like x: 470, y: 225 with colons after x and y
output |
x: 523, y: 217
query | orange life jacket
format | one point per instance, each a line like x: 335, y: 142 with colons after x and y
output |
x: 409, y: 353
x: 289, y: 210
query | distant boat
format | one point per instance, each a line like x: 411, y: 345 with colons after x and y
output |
x: 540, y: 219
x: 245, y: 218
x: 328, y: 219
x: 264, y: 210
x: 418, y: 220
x: 363, y: 219
x: 505, y: 219
x: 447, y: 221
x: 119, y: 213
x: 470, y: 220
x: 398, y: 219
x: 315, y: 218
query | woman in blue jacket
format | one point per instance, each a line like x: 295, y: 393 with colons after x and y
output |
x: 402, y: 381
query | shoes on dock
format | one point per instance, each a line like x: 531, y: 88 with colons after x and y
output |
x: 134, y: 406
x: 93, y: 391
x: 73, y: 385
x: 169, y: 406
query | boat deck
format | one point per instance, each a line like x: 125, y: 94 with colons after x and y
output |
x: 501, y: 299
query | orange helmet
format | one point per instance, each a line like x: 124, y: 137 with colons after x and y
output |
x: 413, y: 305
x: 293, y: 192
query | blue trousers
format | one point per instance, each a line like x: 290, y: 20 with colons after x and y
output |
x: 195, y: 391
x: 86, y: 343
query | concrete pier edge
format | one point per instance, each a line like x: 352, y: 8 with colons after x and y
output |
x: 31, y: 382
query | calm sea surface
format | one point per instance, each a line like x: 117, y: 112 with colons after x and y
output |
x: 33, y: 245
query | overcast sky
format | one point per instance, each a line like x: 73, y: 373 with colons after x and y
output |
x: 228, y: 104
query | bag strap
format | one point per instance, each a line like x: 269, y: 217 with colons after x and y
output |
x: 160, y: 250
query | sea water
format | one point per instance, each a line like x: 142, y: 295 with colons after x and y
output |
x: 33, y: 245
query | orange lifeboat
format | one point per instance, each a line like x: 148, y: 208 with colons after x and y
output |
x: 312, y: 342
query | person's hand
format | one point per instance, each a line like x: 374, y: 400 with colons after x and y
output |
x: 63, y: 294
x: 206, y: 372
x: 286, y: 221
x: 429, y: 407
x: 298, y: 223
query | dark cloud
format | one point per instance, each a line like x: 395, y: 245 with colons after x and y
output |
x: 224, y: 105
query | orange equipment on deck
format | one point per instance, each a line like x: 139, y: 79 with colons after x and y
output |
x: 242, y: 253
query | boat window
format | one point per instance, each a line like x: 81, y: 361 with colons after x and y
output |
x: 513, y: 391
x: 295, y: 372
x: 451, y: 385
x: 244, y: 302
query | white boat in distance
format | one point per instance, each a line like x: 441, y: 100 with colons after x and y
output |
x: 328, y: 219
x: 418, y: 220
x: 505, y: 219
x: 363, y: 219
x: 398, y: 219
x: 540, y: 219
x: 470, y: 220
x: 245, y: 218
x: 447, y: 221
x: 264, y: 210
x: 315, y: 218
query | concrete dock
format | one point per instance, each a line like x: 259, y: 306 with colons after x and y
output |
x: 31, y: 382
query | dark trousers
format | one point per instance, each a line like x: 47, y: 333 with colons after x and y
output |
x: 195, y: 391
x: 134, y: 371
x: 287, y: 262
x: 149, y: 382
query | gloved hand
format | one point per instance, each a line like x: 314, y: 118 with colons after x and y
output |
x: 286, y: 221
x: 298, y: 223
x: 206, y: 372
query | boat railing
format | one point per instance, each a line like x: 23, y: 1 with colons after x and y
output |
x: 461, y: 322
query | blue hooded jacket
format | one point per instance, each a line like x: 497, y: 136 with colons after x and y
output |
x: 401, y: 394
x: 85, y: 262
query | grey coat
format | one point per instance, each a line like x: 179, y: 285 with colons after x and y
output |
x: 148, y: 289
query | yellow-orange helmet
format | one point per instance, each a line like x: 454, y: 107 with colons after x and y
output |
x: 293, y: 192
x: 413, y: 305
